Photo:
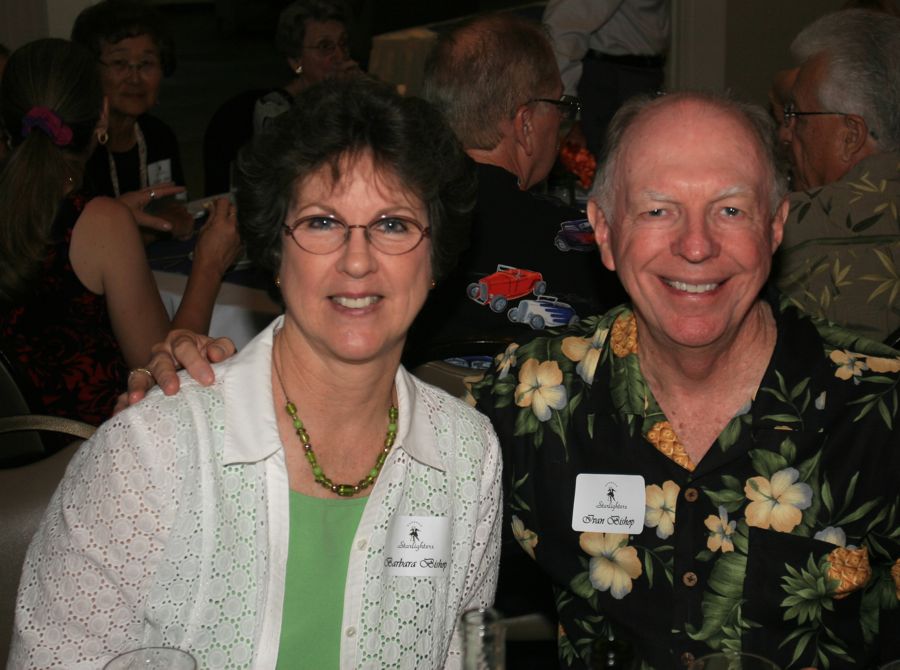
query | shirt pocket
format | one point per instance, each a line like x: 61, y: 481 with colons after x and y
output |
x: 789, y: 602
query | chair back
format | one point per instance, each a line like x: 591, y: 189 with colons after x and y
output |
x: 22, y: 446
x: 24, y: 494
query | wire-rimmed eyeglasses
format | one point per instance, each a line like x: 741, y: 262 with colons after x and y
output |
x: 791, y: 113
x: 120, y: 67
x: 321, y: 234
x: 328, y: 48
x: 569, y: 105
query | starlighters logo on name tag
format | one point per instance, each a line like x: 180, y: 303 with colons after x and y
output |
x: 609, y: 503
x: 418, y: 546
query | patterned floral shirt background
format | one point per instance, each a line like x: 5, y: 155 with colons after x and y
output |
x: 784, y: 540
x: 840, y: 258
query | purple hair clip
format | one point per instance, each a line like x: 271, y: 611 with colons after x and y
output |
x: 48, y: 121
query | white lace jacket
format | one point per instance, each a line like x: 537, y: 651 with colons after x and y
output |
x: 170, y: 528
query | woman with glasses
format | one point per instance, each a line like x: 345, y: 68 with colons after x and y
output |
x: 312, y: 38
x: 317, y: 506
x: 139, y: 152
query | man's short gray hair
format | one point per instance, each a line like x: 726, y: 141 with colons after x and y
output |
x: 479, y: 75
x: 753, y: 117
x: 862, y: 69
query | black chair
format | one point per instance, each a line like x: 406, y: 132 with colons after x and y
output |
x: 230, y: 128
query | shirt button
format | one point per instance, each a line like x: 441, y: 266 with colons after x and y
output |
x: 687, y: 658
x: 351, y: 631
x: 691, y: 494
x: 361, y: 545
x: 689, y: 578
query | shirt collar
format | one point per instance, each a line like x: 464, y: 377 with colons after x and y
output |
x: 251, y: 427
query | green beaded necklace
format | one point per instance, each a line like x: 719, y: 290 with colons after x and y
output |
x: 343, y: 490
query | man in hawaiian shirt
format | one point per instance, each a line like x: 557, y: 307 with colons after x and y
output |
x: 841, y: 253
x: 704, y: 469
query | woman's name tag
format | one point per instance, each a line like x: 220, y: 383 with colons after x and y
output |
x: 609, y: 503
x: 418, y: 546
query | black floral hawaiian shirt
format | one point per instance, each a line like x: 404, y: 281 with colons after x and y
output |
x: 784, y: 540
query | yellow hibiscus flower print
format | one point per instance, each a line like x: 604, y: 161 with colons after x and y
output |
x: 660, y: 512
x: 586, y: 352
x: 850, y: 365
x: 624, y: 336
x: 878, y: 364
x: 540, y: 387
x: 720, y: 531
x: 850, y: 567
x: 832, y: 535
x: 778, y: 502
x: 613, y: 563
x: 505, y: 360
x: 527, y: 539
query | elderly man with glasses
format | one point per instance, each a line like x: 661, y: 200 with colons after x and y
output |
x: 531, y: 263
x: 841, y: 255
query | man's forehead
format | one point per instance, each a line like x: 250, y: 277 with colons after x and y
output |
x: 689, y: 128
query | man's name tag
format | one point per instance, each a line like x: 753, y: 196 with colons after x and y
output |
x: 418, y: 546
x: 609, y: 504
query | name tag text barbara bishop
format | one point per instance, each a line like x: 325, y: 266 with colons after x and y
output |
x: 426, y: 562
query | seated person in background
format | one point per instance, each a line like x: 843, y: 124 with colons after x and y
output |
x: 841, y: 253
x: 78, y: 304
x: 532, y: 263
x: 312, y: 37
x: 138, y: 150
x: 705, y: 468
x: 249, y: 549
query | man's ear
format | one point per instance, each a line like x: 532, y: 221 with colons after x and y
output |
x: 778, y: 220
x: 523, y: 129
x: 855, y: 138
x: 601, y: 234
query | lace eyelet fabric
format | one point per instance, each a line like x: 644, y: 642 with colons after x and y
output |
x: 165, y: 532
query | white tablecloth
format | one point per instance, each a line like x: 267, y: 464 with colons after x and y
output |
x: 239, y: 314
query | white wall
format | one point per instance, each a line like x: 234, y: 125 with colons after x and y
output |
x: 736, y: 44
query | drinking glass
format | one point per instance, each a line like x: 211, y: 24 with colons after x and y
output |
x: 732, y: 660
x: 484, y: 640
x: 153, y: 658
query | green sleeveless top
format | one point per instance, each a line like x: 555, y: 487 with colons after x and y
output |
x: 321, y: 532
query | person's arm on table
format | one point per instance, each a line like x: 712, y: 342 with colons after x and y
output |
x: 108, y: 257
x: 218, y: 245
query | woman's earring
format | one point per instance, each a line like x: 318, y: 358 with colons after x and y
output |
x: 299, y: 69
x: 433, y: 283
x: 278, y: 281
x: 102, y: 136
